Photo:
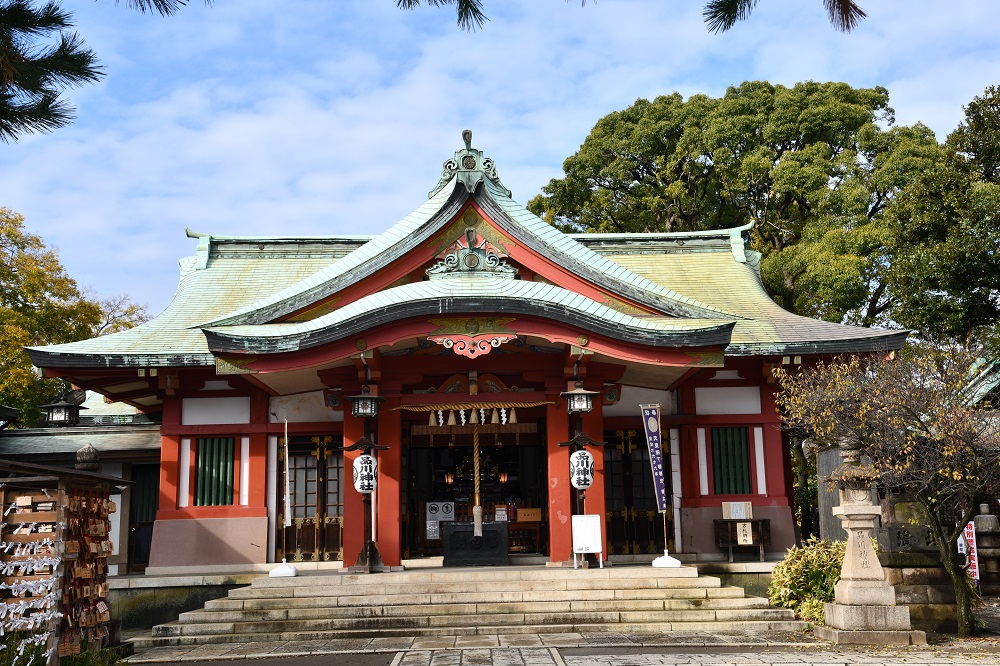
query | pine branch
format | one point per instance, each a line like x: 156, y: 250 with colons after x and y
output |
x: 844, y: 14
x: 470, y: 12
x: 721, y: 15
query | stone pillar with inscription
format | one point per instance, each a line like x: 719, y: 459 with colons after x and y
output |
x: 864, y: 611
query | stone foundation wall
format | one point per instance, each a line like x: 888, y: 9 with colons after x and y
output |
x: 925, y: 587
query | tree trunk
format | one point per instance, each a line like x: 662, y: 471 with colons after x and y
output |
x: 803, y: 499
x: 963, y: 599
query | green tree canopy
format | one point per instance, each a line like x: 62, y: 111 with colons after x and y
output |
x: 810, y: 166
x: 944, y: 240
x: 39, y: 305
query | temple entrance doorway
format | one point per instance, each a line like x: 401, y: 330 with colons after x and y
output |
x: 441, y: 468
x: 315, y: 499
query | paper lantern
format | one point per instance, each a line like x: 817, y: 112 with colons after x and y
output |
x: 365, y: 473
x: 581, y: 470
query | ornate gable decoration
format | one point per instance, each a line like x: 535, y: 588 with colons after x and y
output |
x: 470, y: 166
x: 472, y: 256
x: 472, y: 337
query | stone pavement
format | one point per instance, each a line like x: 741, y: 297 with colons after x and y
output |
x: 599, y: 649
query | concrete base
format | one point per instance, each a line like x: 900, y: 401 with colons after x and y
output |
x: 864, y: 593
x: 862, y: 618
x: 666, y: 561
x: 208, y: 541
x: 854, y: 637
x: 376, y: 568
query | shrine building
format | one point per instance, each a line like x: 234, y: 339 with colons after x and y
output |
x: 468, y: 324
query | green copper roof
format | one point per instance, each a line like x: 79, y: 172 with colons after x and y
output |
x: 706, y: 267
x: 703, y: 283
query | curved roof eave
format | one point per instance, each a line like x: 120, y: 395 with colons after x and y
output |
x: 42, y: 358
x: 434, y: 298
x: 883, y: 341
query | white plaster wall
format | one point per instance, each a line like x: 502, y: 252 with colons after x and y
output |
x: 633, y: 396
x: 302, y: 408
x: 211, y: 411
x: 727, y: 400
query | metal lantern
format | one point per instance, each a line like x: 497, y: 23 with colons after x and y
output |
x: 365, y: 405
x: 579, y: 400
x: 581, y: 470
x: 61, y: 412
x: 365, y: 473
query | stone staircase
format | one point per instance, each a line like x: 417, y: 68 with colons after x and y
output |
x: 470, y: 601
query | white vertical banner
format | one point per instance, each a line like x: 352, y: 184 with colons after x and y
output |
x: 973, y: 554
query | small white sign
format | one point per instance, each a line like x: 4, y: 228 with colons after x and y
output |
x: 500, y: 514
x: 744, y: 534
x: 436, y: 512
x: 587, y: 537
x: 587, y: 534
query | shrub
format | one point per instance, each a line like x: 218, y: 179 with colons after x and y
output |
x: 35, y: 654
x: 805, y: 579
x: 12, y: 644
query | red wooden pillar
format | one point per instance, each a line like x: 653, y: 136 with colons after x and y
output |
x: 596, y: 503
x: 354, y: 508
x: 170, y: 457
x: 777, y: 454
x: 390, y: 483
x: 560, y: 528
x: 257, y: 483
x: 170, y: 454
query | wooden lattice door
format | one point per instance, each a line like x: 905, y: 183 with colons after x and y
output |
x: 633, y: 522
x: 315, y: 505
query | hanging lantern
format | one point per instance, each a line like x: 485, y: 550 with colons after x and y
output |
x: 579, y: 400
x: 581, y: 470
x: 365, y: 473
x: 365, y: 405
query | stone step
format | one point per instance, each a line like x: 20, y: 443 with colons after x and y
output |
x: 306, y: 587
x: 481, y: 575
x: 305, y: 597
x: 474, y: 601
x: 749, y: 627
x: 504, y: 617
x: 418, y: 607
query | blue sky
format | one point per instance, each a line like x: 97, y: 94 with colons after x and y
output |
x: 320, y: 117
